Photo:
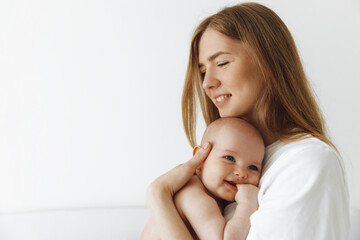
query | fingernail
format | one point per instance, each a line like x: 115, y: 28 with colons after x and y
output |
x: 206, y: 145
x: 195, y: 149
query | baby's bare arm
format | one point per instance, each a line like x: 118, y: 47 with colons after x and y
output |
x: 200, y: 210
x: 238, y: 226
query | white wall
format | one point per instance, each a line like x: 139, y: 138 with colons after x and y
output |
x: 90, y: 93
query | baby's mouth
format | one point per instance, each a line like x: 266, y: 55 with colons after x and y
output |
x: 232, y: 183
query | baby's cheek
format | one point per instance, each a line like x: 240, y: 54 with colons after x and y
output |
x: 209, y: 178
x: 254, y: 180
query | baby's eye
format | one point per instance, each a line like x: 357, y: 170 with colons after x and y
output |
x: 230, y: 158
x: 253, y: 167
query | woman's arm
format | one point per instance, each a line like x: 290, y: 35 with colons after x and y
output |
x: 160, y: 197
x: 150, y: 232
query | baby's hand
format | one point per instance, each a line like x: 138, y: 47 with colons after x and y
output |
x: 247, y: 194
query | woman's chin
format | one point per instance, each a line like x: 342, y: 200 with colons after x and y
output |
x: 224, y: 114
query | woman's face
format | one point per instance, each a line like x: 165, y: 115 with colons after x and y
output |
x: 230, y: 76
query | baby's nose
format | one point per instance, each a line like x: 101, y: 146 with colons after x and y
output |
x: 240, y: 173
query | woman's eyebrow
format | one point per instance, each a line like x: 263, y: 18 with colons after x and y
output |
x: 215, y: 55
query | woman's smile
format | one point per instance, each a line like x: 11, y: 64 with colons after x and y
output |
x: 221, y: 100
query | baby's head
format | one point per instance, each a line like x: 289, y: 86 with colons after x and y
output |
x: 235, y: 158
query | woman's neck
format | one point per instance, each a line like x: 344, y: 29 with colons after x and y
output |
x: 267, y: 137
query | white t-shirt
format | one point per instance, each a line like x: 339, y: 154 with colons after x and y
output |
x: 303, y: 194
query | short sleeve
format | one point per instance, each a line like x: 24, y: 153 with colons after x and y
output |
x: 303, y: 195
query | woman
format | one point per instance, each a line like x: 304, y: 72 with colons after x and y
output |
x: 244, y: 63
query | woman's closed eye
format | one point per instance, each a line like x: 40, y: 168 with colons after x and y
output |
x: 253, y: 167
x: 222, y: 64
x: 230, y: 158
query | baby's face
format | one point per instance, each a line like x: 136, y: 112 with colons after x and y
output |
x: 235, y: 158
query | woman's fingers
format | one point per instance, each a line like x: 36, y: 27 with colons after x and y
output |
x: 184, y: 172
x: 200, y: 154
x: 176, y: 178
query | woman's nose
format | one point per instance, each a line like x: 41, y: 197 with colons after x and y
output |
x: 210, y: 81
x: 240, y: 173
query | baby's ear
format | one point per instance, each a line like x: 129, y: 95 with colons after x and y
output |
x: 195, y: 149
x: 198, y: 171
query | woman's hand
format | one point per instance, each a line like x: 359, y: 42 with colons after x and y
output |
x: 160, y: 196
x: 172, y: 181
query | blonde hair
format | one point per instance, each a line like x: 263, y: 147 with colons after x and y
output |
x: 288, y: 106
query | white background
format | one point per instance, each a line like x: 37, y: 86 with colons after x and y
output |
x: 90, y: 93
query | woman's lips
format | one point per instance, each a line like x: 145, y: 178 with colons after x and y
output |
x: 222, y: 99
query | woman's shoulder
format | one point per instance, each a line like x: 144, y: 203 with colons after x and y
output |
x: 302, y: 154
x: 301, y: 143
x: 303, y: 161
x: 310, y: 146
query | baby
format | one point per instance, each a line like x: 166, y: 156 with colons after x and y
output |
x: 235, y: 158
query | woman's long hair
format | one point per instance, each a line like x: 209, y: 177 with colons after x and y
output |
x: 288, y: 107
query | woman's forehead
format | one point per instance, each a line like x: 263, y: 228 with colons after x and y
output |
x: 213, y: 42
